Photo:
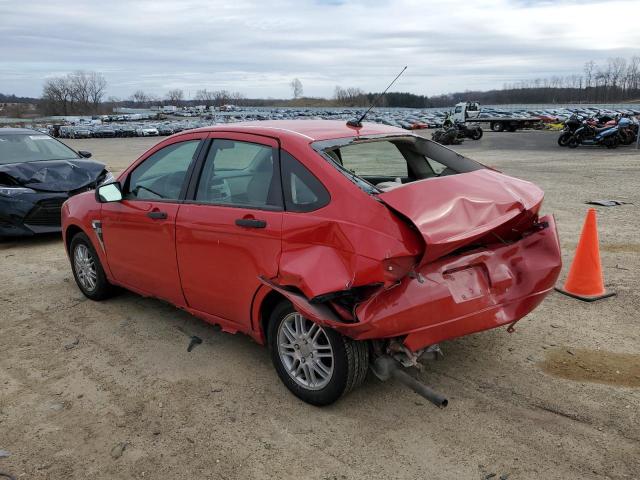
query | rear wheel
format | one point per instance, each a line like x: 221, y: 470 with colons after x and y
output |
x: 87, y: 269
x: 317, y: 364
x: 564, y: 138
x: 611, y: 141
x: 476, y: 133
x: 497, y: 126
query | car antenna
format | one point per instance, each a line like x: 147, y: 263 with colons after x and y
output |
x: 358, y: 123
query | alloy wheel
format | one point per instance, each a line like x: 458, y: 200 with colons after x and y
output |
x: 85, y: 267
x: 305, y: 351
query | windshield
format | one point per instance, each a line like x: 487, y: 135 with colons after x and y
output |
x: 380, y: 163
x: 20, y: 147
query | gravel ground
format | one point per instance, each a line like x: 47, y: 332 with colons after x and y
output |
x: 108, y: 390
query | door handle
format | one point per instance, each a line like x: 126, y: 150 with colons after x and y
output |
x: 156, y: 215
x: 250, y: 223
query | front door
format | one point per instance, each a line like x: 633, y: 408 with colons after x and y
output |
x: 229, y: 232
x: 139, y: 231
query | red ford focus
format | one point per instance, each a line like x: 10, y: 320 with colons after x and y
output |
x: 334, y: 245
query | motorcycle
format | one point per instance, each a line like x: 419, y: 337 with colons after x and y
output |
x: 627, y: 131
x: 448, y: 135
x: 571, y: 124
x: 474, y: 132
x: 589, y: 135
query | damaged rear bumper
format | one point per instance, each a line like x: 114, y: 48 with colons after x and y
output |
x: 455, y: 295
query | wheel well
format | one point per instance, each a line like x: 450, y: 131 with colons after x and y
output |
x: 71, y: 232
x: 272, y: 299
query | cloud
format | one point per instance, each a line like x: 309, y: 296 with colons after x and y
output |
x: 257, y: 47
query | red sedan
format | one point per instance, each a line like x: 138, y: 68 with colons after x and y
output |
x: 332, y: 244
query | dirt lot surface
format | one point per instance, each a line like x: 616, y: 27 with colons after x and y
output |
x: 108, y: 390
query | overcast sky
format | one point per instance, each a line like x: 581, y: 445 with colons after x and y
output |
x: 258, y: 47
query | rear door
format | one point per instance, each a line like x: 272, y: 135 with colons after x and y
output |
x: 229, y: 231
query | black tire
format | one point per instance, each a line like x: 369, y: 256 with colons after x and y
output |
x: 102, y: 288
x: 476, y: 133
x: 497, y: 126
x: 350, y: 362
x: 563, y: 139
x: 573, y: 142
x: 611, y: 141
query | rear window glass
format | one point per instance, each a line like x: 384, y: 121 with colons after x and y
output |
x: 375, y: 158
x: 379, y: 163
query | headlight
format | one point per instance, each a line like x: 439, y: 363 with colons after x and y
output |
x: 108, y: 178
x: 13, y: 191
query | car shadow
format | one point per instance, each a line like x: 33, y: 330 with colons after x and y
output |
x: 8, y: 243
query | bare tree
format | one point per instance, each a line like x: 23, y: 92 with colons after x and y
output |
x: 221, y: 97
x: 175, y: 96
x: 77, y: 92
x: 57, y: 95
x: 97, y: 87
x: 139, y: 97
x: 296, y: 88
x: 79, y: 84
x: 589, y: 67
x: 205, y: 96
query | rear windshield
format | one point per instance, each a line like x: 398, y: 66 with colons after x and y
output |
x: 384, y: 162
x: 19, y: 147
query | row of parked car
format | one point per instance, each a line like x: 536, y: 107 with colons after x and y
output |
x: 399, y: 117
x: 120, y: 130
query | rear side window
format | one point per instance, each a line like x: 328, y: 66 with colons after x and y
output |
x: 303, y: 192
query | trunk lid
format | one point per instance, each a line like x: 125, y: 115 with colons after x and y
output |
x: 457, y: 210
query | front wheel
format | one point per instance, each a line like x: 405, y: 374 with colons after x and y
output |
x: 87, y: 269
x: 317, y: 364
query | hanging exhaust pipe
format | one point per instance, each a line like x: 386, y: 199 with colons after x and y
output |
x: 385, y: 367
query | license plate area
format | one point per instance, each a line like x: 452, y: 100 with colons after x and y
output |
x: 467, y: 284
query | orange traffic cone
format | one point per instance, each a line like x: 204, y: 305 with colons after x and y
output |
x: 585, y: 280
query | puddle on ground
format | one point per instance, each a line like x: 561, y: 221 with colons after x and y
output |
x: 597, y: 366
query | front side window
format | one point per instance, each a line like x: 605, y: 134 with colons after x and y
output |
x: 162, y: 175
x: 240, y: 174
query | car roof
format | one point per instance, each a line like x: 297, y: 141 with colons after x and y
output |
x: 14, y: 131
x: 313, y: 130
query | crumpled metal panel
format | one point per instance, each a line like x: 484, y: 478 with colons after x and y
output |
x: 456, y: 210
x: 453, y: 296
x: 54, y: 175
x: 459, y: 295
x: 322, y: 255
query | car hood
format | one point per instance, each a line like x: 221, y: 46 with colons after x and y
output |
x: 52, y: 175
x: 454, y: 211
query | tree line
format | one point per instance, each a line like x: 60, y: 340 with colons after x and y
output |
x: 616, y: 80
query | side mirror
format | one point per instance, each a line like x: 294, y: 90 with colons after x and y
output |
x: 111, y: 192
x: 84, y: 154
